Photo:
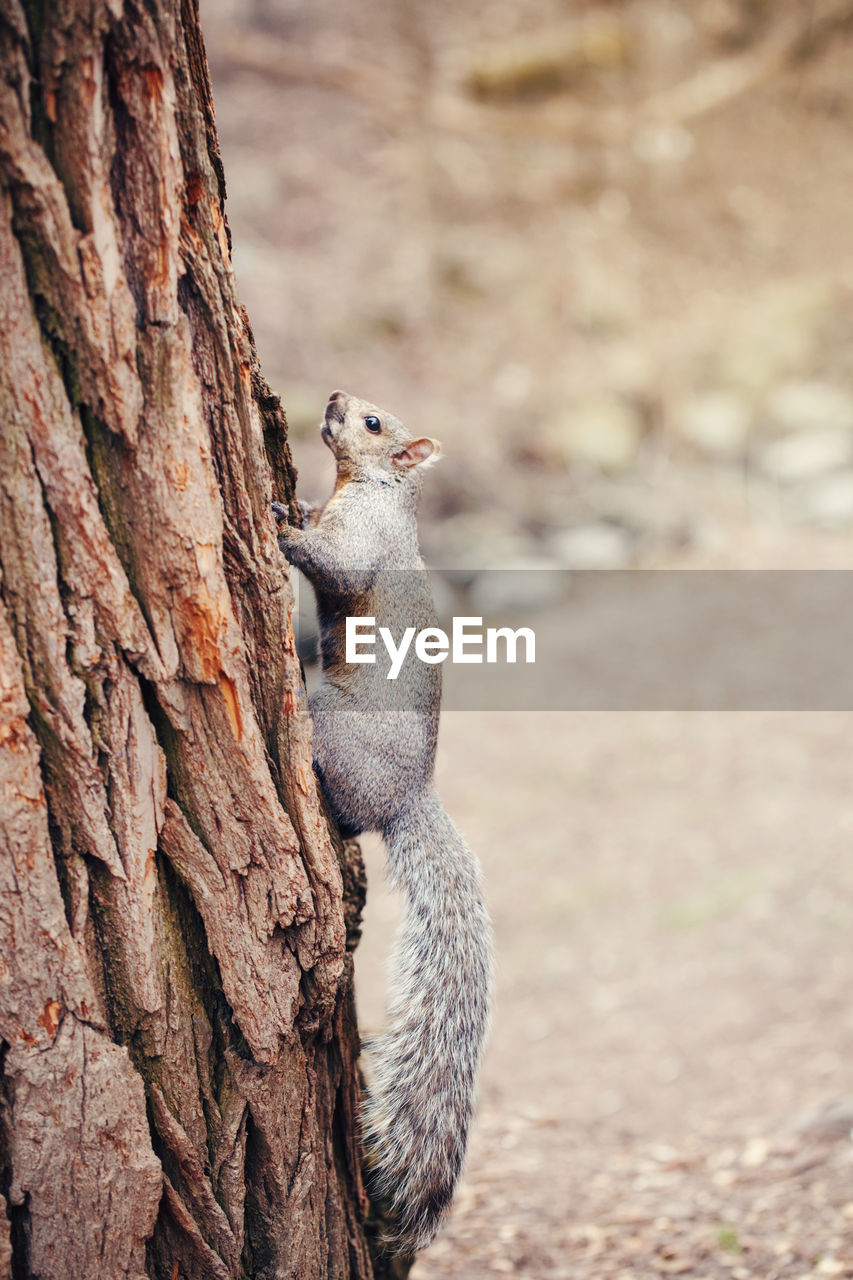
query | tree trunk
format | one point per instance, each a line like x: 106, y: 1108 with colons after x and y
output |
x: 178, y: 1074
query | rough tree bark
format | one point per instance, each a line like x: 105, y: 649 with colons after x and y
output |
x: 178, y: 1043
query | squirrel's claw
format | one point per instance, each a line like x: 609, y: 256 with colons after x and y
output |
x: 280, y: 511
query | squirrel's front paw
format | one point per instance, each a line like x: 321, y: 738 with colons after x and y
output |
x: 286, y: 532
x: 309, y: 511
x: 308, y: 514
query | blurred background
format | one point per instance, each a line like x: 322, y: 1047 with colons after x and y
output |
x: 604, y: 253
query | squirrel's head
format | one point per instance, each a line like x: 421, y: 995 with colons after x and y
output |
x: 368, y: 442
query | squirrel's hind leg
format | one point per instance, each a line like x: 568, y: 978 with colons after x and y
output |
x: 348, y: 830
x: 350, y: 761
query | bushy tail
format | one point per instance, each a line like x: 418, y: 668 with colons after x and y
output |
x: 424, y: 1068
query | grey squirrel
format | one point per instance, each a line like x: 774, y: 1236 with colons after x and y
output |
x: 374, y: 749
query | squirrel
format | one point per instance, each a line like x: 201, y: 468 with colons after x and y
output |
x: 374, y: 751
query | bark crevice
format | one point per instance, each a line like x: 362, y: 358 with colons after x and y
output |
x: 13, y: 1230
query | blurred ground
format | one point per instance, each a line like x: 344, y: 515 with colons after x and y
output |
x: 604, y: 254
x: 668, y: 1087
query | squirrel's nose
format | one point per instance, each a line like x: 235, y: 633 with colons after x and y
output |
x: 335, y: 411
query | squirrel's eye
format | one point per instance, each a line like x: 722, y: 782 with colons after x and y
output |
x: 373, y: 424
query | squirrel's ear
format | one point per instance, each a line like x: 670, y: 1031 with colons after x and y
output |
x: 419, y: 453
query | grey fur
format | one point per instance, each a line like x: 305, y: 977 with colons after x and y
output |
x: 374, y: 747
